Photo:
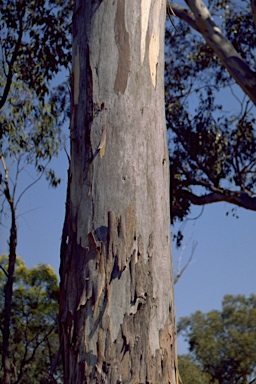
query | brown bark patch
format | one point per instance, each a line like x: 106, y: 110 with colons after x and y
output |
x: 123, y: 45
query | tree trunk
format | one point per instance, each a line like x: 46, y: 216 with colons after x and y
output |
x: 116, y: 296
x: 8, y: 289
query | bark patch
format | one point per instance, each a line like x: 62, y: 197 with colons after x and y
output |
x: 123, y: 45
x: 145, y: 8
x: 154, y: 44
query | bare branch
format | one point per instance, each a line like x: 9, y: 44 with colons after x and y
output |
x: 56, y: 360
x: 25, y: 361
x: 29, y: 186
x: 180, y: 273
x: 241, y: 199
x: 4, y: 270
x: 4, y: 167
x: 170, y: 13
x: 201, y: 21
x: 253, y: 5
x: 12, y: 61
x: 185, y: 15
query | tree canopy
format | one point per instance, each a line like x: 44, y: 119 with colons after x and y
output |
x: 190, y: 372
x: 34, y: 339
x: 212, y: 143
x: 35, y: 43
x: 35, y: 46
x: 223, y: 343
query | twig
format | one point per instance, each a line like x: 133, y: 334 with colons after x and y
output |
x: 171, y: 13
x: 179, y: 274
x: 56, y: 359
x: 4, y: 270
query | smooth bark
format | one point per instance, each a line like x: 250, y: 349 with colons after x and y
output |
x: 117, y: 318
x: 199, y: 18
x: 185, y: 14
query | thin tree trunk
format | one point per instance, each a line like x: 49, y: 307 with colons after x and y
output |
x: 8, y: 290
x: 116, y: 294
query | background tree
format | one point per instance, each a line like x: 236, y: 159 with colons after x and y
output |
x: 190, y: 372
x: 223, y: 343
x: 34, y: 47
x: 212, y: 149
x: 116, y: 292
x: 33, y: 332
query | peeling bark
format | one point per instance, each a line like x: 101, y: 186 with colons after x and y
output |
x: 117, y: 318
x: 122, y: 42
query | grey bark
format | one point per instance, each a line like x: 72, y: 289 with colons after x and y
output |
x: 199, y: 18
x: 117, y: 317
x: 185, y: 14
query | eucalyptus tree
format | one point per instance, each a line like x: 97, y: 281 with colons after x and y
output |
x: 116, y: 292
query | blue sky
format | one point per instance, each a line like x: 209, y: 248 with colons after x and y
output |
x: 224, y: 261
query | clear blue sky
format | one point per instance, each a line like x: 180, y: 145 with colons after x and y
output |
x: 224, y: 261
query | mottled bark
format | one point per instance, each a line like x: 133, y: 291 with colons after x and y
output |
x: 199, y: 18
x: 116, y: 296
x: 185, y: 15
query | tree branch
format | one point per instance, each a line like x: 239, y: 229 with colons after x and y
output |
x: 56, y: 360
x: 4, y: 270
x: 180, y: 272
x: 12, y: 61
x: 185, y: 15
x: 241, y: 199
x: 230, y: 58
x: 30, y: 185
x: 253, y: 5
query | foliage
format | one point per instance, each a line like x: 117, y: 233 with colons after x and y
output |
x: 190, y: 372
x: 34, y: 136
x: 34, y: 339
x: 212, y: 149
x: 223, y: 343
x: 35, y: 46
x: 35, y: 43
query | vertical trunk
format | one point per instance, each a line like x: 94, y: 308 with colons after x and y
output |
x: 116, y: 299
x: 8, y: 291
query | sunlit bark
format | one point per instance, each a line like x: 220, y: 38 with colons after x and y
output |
x: 199, y: 18
x: 116, y: 297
